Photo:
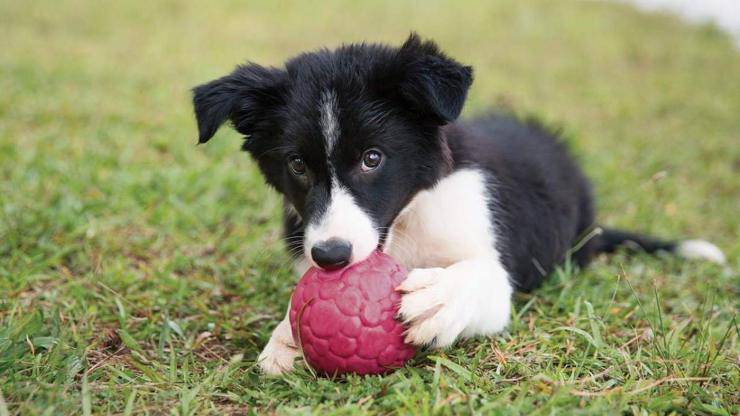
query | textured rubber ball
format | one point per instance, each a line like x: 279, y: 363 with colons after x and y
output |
x: 344, y: 320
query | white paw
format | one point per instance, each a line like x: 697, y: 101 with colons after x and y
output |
x: 278, y: 355
x: 277, y: 358
x: 430, y: 309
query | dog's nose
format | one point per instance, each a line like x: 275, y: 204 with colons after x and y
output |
x: 332, y: 253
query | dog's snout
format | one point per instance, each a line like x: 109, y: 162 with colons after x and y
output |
x: 332, y: 254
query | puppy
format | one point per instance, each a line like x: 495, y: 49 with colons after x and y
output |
x: 363, y: 144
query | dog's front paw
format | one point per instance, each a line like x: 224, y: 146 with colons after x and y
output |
x: 434, y: 316
x: 278, y: 355
x: 277, y: 358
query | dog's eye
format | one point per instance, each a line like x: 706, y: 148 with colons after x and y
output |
x: 371, y: 159
x: 297, y: 166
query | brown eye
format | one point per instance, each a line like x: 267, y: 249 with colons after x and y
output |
x: 371, y: 159
x: 297, y: 166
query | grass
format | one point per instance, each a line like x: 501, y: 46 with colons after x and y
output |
x: 141, y: 274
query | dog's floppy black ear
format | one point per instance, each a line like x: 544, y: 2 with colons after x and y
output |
x: 430, y: 81
x: 244, y: 97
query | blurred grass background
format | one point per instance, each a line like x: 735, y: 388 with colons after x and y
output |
x: 140, y: 273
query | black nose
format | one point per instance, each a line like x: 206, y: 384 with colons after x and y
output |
x: 332, y: 253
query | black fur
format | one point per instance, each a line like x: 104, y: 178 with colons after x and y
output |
x: 394, y: 99
x: 543, y: 200
x: 404, y: 101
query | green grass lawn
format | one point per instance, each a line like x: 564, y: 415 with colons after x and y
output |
x: 140, y: 273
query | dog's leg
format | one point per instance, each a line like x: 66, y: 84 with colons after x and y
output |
x: 278, y: 355
x: 468, y: 298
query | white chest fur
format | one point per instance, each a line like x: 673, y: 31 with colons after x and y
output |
x: 446, y: 224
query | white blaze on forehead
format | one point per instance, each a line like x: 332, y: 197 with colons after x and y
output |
x: 343, y: 219
x: 328, y: 119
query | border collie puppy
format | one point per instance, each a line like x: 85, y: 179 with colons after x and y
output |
x: 363, y: 144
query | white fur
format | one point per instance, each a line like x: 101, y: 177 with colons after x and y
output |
x: 470, y: 298
x: 446, y: 224
x: 345, y: 220
x: 700, y: 249
x: 278, y: 355
x: 301, y: 265
x: 328, y: 119
x: 458, y: 285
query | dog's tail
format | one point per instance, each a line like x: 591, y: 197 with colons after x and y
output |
x: 608, y: 240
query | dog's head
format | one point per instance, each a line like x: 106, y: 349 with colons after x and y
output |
x: 348, y: 136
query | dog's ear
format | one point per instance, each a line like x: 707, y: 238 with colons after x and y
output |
x: 432, y: 83
x: 245, y: 97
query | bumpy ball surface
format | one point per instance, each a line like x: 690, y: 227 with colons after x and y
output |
x: 344, y: 319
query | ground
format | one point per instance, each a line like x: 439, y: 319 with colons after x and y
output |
x: 140, y: 273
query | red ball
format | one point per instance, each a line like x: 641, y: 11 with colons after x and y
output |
x: 344, y: 320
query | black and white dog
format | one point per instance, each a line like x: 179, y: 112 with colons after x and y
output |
x: 363, y: 144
